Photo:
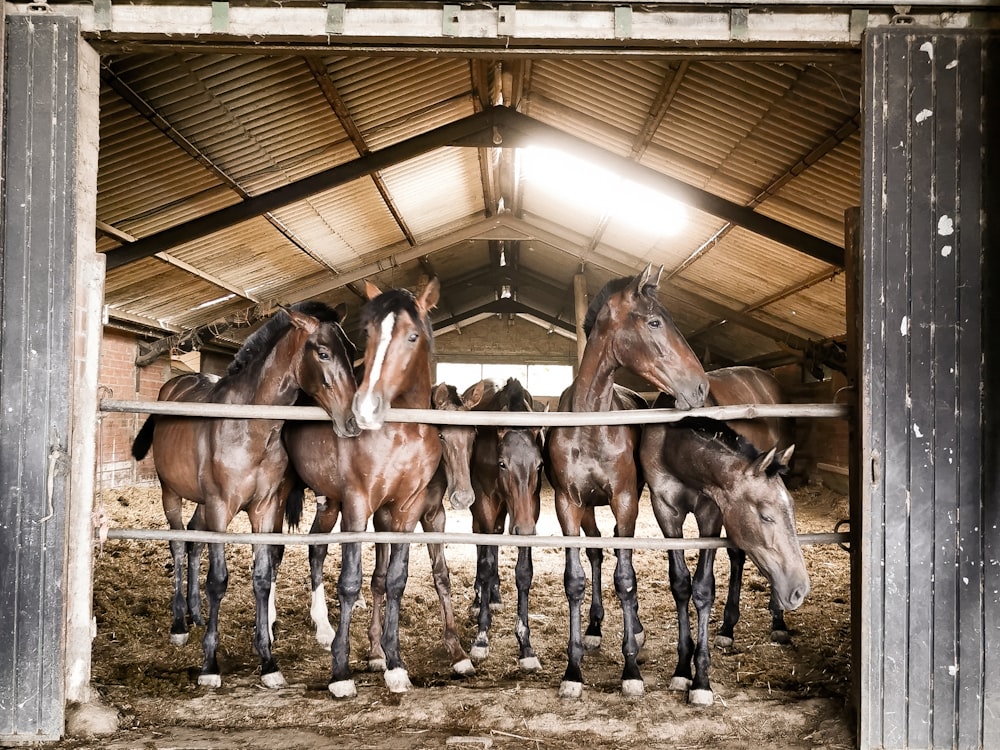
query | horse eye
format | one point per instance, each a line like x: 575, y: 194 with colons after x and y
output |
x: 323, y: 354
x: 502, y: 465
x: 766, y: 518
x: 413, y: 338
x: 655, y: 322
x: 441, y: 436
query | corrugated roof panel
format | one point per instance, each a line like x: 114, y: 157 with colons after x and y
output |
x: 342, y: 225
x: 145, y: 182
x: 436, y: 189
x: 820, y: 308
x: 667, y: 248
x: 262, y: 120
x: 394, y: 98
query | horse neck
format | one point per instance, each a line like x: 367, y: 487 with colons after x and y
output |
x: 272, y: 380
x: 594, y: 387
x: 418, y: 394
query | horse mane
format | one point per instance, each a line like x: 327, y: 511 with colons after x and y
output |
x: 607, y: 291
x: 710, y: 429
x: 395, y: 300
x: 516, y: 398
x: 264, y: 338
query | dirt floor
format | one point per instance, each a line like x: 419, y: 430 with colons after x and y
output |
x: 766, y: 695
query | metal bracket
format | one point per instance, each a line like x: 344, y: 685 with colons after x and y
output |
x: 449, y: 19
x: 505, y: 20
x: 220, y: 16
x: 739, y: 24
x: 623, y: 21
x: 335, y: 18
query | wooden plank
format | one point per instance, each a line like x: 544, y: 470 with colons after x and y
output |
x: 35, y: 350
x: 949, y: 417
x: 896, y: 520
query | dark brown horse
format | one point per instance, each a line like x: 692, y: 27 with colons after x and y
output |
x: 701, y: 467
x: 507, y: 479
x: 626, y: 326
x: 750, y: 385
x: 229, y: 465
x: 387, y: 466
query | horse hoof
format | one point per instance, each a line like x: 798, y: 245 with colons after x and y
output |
x: 570, y: 691
x: 178, y: 639
x: 701, y: 698
x: 680, y: 684
x: 633, y: 688
x: 591, y: 642
x: 210, y: 680
x: 376, y: 665
x: 722, y: 641
x: 397, y: 680
x: 464, y: 668
x: 343, y: 689
x: 530, y: 664
x: 479, y: 653
x: 781, y: 636
x: 273, y: 680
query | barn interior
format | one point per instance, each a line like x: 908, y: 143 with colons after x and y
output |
x: 523, y: 166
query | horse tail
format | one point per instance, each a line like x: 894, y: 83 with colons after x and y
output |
x: 294, y: 503
x: 144, y: 440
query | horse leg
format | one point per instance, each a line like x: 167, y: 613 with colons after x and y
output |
x: 628, y: 597
x: 592, y: 638
x: 523, y: 574
x: 396, y: 678
x: 178, y: 605
x: 376, y: 656
x: 731, y: 613
x: 680, y: 587
x: 323, y: 523
x: 265, y: 562
x: 215, y: 588
x: 486, y: 573
x: 575, y: 582
x: 779, y: 630
x: 703, y: 590
x: 194, y: 551
x: 461, y: 664
x: 348, y: 587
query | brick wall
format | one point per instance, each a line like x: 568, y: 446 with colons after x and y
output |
x: 119, y: 378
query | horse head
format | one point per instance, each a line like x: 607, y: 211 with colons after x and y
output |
x: 519, y: 461
x: 639, y: 334
x: 324, y: 367
x: 759, y: 517
x: 397, y: 354
x: 457, y: 442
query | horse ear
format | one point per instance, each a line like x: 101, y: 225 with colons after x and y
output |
x: 760, y: 464
x: 472, y: 400
x: 643, y: 277
x: 440, y: 395
x: 786, y: 457
x: 429, y: 297
x: 300, y: 320
x: 371, y: 291
x: 341, y: 311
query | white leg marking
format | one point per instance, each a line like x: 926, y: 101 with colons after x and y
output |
x: 321, y: 618
x: 272, y: 613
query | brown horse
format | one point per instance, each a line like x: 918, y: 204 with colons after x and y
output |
x: 702, y: 467
x: 626, y: 326
x: 730, y: 386
x: 452, y: 480
x: 229, y: 465
x: 507, y: 479
x: 387, y: 466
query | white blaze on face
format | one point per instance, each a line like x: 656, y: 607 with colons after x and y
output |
x: 366, y: 404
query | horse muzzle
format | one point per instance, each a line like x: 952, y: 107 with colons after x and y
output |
x: 461, y: 499
x: 346, y: 428
x: 369, y: 410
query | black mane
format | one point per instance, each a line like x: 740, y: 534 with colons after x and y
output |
x: 714, y: 429
x: 261, y: 341
x: 516, y: 398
